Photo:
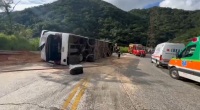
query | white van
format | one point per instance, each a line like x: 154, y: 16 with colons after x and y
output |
x: 164, y: 52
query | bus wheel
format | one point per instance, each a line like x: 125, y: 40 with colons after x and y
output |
x: 174, y: 73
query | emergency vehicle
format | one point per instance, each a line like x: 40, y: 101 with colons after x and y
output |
x: 137, y: 49
x: 187, y: 62
x: 164, y: 52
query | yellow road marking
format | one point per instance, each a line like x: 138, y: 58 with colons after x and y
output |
x: 72, y: 94
x: 80, y: 94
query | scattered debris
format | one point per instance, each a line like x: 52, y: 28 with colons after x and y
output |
x: 76, y: 69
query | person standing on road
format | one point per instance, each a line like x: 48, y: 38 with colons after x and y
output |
x: 118, y: 51
x: 115, y: 47
x: 150, y: 51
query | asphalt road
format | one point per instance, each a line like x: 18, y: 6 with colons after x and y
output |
x: 129, y: 83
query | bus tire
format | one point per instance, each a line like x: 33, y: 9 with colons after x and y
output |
x: 174, y: 73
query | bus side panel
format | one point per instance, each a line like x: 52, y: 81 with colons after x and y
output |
x: 64, y: 49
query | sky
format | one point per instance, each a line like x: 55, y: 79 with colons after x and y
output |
x: 126, y: 4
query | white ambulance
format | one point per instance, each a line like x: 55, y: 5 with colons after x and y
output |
x: 164, y: 52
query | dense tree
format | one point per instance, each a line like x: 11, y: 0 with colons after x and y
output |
x: 171, y: 24
x: 102, y: 20
x: 5, y: 6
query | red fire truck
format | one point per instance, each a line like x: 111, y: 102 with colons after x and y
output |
x: 137, y: 49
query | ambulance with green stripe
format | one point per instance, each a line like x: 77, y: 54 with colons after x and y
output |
x: 187, y: 62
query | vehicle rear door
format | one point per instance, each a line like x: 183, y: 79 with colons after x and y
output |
x: 156, y: 54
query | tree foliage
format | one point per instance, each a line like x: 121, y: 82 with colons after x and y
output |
x: 5, y: 6
x: 171, y: 24
x: 101, y: 20
x: 11, y: 42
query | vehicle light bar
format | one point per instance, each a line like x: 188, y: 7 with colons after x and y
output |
x: 194, y: 39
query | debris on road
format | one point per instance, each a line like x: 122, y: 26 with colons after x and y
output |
x: 76, y: 69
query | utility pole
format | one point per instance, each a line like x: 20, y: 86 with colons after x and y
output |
x: 151, y: 33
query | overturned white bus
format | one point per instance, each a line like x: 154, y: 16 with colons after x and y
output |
x: 66, y: 48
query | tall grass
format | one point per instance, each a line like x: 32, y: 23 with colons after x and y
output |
x: 124, y: 49
x: 12, y: 42
x: 34, y: 44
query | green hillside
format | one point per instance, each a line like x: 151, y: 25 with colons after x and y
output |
x: 172, y: 24
x: 99, y: 19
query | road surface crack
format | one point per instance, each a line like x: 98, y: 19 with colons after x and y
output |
x: 21, y: 104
